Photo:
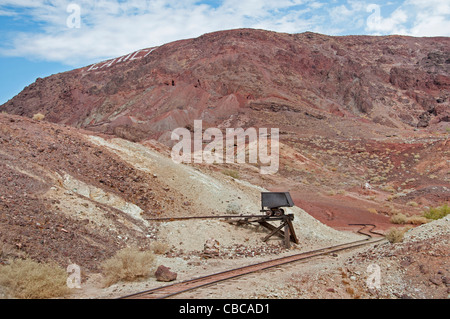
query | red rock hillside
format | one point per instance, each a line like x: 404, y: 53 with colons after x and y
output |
x: 350, y: 110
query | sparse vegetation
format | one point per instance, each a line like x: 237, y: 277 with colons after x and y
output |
x: 233, y: 208
x: 437, y: 212
x: 159, y: 248
x: 395, y: 235
x: 389, y: 188
x: 399, y: 219
x: 412, y: 204
x: 27, y: 279
x: 70, y: 196
x: 417, y: 220
x: 128, y: 264
x: 230, y: 172
x: 38, y: 117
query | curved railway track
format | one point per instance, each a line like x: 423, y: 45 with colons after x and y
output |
x: 180, y: 287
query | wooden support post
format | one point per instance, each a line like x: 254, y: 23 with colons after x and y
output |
x: 275, y: 230
x: 287, y: 239
x: 287, y: 235
x: 292, y: 231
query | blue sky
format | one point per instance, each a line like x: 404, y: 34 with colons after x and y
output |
x: 39, y: 38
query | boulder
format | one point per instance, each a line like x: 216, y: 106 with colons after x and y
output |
x: 163, y: 273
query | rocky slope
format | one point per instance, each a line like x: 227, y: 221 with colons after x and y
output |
x: 87, y: 180
x: 350, y: 110
x: 72, y: 197
x: 396, y: 81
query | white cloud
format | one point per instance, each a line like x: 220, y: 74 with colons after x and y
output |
x: 7, y: 13
x: 427, y: 25
x: 412, y: 17
x: 432, y: 18
x: 111, y: 28
x: 392, y: 24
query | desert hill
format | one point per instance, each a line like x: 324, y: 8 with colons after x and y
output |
x: 86, y: 165
x: 73, y: 197
x: 350, y: 110
x: 393, y: 80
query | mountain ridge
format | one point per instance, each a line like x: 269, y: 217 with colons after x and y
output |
x: 151, y: 91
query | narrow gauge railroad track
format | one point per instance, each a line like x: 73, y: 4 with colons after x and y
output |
x: 178, y: 288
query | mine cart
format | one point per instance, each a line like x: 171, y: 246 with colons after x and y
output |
x: 271, y: 202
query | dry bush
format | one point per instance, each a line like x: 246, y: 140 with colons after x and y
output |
x: 159, y: 248
x: 389, y: 188
x: 233, y: 208
x: 38, y: 117
x: 412, y: 204
x: 230, y: 172
x: 399, y: 219
x: 27, y: 279
x: 395, y: 235
x: 417, y: 220
x: 128, y: 264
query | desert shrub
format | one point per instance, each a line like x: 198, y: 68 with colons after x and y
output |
x: 233, y: 208
x: 417, y: 220
x: 159, y: 248
x: 399, y: 219
x: 38, y: 117
x: 412, y: 204
x: 395, y: 235
x: 389, y: 188
x: 331, y: 192
x: 128, y: 264
x: 27, y: 279
x: 437, y: 212
x: 230, y: 172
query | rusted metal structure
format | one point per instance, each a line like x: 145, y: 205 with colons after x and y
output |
x: 271, y: 202
x: 271, y: 205
x: 189, y: 285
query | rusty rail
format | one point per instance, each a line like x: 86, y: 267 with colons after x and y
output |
x: 178, y: 288
x: 162, y: 219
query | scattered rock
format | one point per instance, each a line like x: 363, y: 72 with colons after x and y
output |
x: 211, y: 248
x: 437, y: 280
x: 446, y: 281
x: 163, y: 273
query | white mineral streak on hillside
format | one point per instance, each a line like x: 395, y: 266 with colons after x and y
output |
x: 139, y: 54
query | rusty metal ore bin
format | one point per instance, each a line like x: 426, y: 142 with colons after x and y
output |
x: 276, y: 199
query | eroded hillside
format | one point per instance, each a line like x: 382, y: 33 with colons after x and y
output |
x: 73, y: 197
x: 351, y: 110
